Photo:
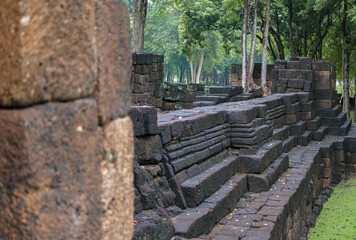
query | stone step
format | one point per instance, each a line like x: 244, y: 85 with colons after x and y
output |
x: 289, y: 143
x: 262, y: 182
x: 200, y: 220
x: 198, y: 188
x: 320, y: 133
x: 242, y: 97
x: 334, y: 121
x: 203, y: 103
x: 298, y: 128
x: 265, y: 215
x: 340, y: 131
x: 213, y: 98
x: 259, y: 134
x: 229, y: 90
x: 313, y: 125
x: 281, y: 133
x: 305, y: 138
x: 335, y: 111
x: 261, y: 159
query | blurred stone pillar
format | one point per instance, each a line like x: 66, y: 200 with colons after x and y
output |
x: 66, y: 143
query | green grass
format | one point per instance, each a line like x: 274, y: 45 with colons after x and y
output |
x: 338, y: 217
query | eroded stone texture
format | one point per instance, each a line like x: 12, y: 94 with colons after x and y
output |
x: 47, y: 51
x: 113, y: 44
x: 50, y: 172
x: 117, y: 180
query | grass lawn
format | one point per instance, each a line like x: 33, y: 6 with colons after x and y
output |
x: 338, y: 217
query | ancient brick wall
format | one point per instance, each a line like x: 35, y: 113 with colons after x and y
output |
x: 66, y: 141
x: 236, y: 74
x: 147, y: 79
x: 180, y: 96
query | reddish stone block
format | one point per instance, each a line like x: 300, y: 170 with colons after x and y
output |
x: 117, y: 194
x: 47, y: 51
x: 50, y: 171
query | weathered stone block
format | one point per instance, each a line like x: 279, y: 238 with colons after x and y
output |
x: 117, y: 186
x: 308, y: 86
x: 142, y: 58
x: 304, y: 97
x: 148, y: 149
x: 296, y: 83
x: 305, y: 63
x: 293, y: 65
x: 292, y: 118
x: 293, y: 108
x: 280, y: 64
x: 30, y: 73
x: 112, y: 91
x: 50, y: 158
x: 307, y: 106
x: 321, y: 65
x: 323, y: 94
x: 304, y: 116
x: 324, y: 103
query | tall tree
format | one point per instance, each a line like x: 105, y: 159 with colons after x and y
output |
x: 251, y: 63
x: 265, y: 89
x: 346, y: 58
x: 139, y: 12
x: 244, y: 44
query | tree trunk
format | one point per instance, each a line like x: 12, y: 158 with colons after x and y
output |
x: 271, y: 49
x: 139, y: 13
x: 355, y: 103
x: 290, y: 19
x: 192, y: 71
x: 200, y: 66
x: 251, y: 63
x: 346, y: 61
x: 305, y: 43
x: 319, y: 44
x: 277, y: 37
x: 346, y: 106
x: 244, y: 45
x: 265, y: 89
x: 195, y: 70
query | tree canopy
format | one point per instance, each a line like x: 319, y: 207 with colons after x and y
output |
x: 209, y: 32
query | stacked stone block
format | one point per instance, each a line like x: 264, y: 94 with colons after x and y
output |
x: 292, y: 76
x: 326, y: 99
x: 152, y: 190
x: 65, y: 155
x: 324, y: 85
x: 146, y: 79
x: 180, y: 96
x: 236, y: 74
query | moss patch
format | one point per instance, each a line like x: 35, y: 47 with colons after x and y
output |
x: 338, y: 217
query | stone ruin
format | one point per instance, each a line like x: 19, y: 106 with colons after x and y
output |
x: 73, y: 166
x: 251, y: 169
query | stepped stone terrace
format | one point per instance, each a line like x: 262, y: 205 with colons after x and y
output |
x: 252, y: 169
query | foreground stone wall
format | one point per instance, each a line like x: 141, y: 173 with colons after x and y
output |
x: 66, y: 143
x: 147, y: 79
